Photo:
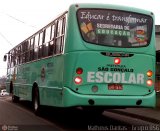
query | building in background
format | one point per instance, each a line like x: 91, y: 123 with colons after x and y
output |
x: 158, y: 37
x: 157, y: 84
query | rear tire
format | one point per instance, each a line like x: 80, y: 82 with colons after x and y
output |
x: 36, y: 103
x: 15, y: 99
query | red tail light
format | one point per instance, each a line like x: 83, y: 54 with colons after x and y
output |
x: 117, y: 61
x: 78, y: 80
x: 149, y: 82
x: 79, y: 71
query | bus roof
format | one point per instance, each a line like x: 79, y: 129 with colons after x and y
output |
x: 111, y: 6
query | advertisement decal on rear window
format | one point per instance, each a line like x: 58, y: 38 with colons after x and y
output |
x: 114, y: 28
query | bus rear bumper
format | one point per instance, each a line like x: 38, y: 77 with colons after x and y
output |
x: 71, y: 98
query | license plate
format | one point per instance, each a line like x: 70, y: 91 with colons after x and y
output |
x: 115, y: 87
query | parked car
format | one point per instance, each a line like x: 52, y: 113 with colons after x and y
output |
x: 4, y: 92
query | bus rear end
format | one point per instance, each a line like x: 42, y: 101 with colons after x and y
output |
x: 110, y: 57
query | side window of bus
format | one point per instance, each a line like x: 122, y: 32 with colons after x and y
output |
x: 36, y: 46
x: 27, y: 50
x: 11, y: 53
x: 47, y: 34
x: 59, y: 36
x: 51, y: 43
x: 19, y: 54
x: 49, y: 40
x: 9, y: 60
x: 63, y: 33
x: 31, y: 49
x: 14, y: 57
x: 24, y: 52
x: 40, y: 46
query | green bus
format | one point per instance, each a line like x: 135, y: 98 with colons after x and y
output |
x: 93, y: 56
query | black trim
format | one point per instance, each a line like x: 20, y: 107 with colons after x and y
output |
x: 150, y: 34
x: 116, y: 54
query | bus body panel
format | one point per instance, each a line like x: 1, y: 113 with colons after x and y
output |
x: 73, y: 99
x: 100, y: 71
x: 48, y: 75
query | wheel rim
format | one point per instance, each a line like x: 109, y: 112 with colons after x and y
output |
x: 12, y: 98
x: 35, y: 103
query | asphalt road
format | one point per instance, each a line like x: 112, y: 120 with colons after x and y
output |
x: 19, y: 116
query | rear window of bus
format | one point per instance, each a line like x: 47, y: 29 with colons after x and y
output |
x: 115, y: 28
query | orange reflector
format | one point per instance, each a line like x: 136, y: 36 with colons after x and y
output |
x: 117, y: 61
x: 149, y: 73
x: 78, y: 80
x: 149, y: 82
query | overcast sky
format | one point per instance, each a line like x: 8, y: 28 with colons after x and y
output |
x: 21, y: 18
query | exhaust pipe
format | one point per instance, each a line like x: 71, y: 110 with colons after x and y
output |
x: 139, y: 102
x: 91, y: 102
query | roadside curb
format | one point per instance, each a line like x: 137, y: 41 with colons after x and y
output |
x: 135, y: 115
x: 151, y: 115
